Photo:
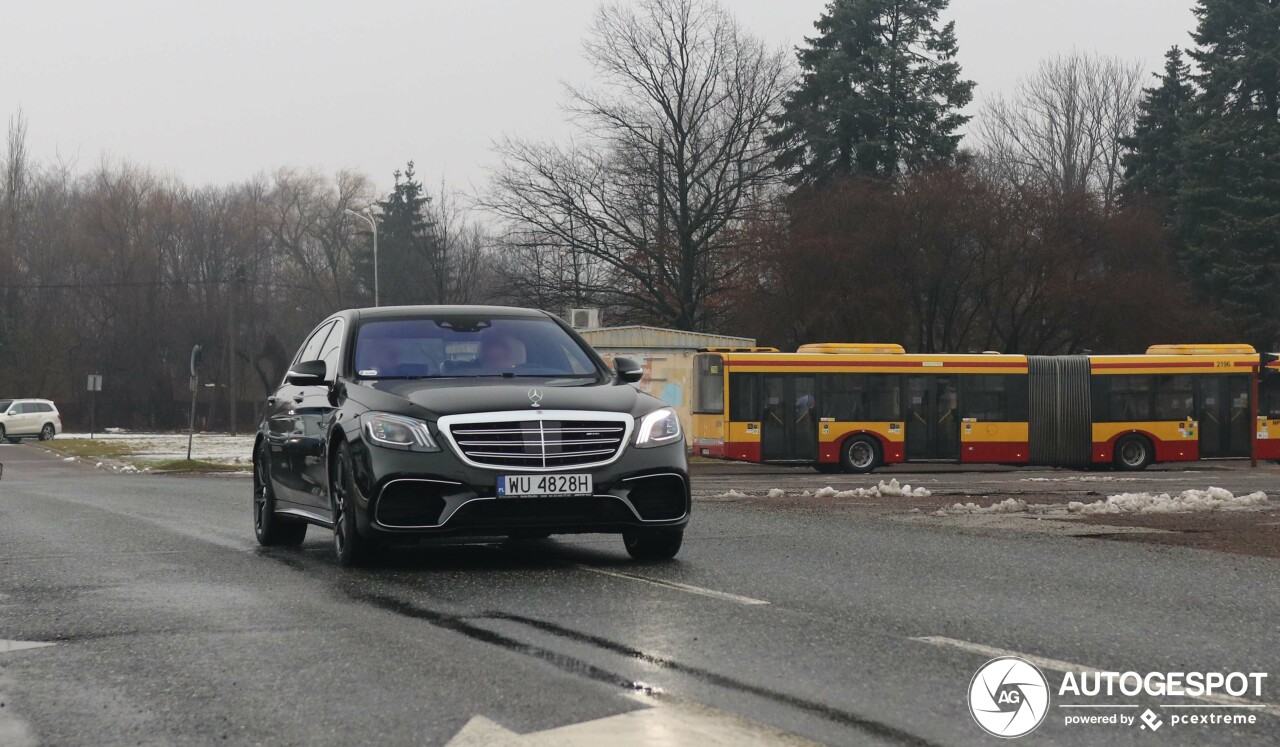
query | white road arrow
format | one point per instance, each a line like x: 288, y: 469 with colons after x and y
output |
x: 7, y: 646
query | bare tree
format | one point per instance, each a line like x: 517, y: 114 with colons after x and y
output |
x: 672, y: 154
x: 460, y: 258
x: 1063, y: 128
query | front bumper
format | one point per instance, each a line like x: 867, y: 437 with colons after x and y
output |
x: 403, y: 495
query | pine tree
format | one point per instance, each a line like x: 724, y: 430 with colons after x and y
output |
x: 1229, y: 201
x: 880, y: 93
x: 1153, y: 164
x: 405, y: 244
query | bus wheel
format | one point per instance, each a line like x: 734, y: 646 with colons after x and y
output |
x: 1134, y: 453
x: 861, y: 454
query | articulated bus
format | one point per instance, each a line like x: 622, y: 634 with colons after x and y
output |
x: 855, y: 407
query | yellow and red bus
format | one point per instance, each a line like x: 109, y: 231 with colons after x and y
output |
x: 854, y: 407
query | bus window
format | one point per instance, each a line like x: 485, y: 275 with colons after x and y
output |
x: 1122, y: 398
x: 744, y: 397
x: 844, y: 397
x: 883, y: 401
x: 708, y: 389
x: 983, y: 397
x: 1269, y: 397
x: 1175, y: 398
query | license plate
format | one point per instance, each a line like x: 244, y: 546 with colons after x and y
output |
x: 542, y: 486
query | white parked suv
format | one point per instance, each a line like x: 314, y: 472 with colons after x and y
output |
x: 28, y: 418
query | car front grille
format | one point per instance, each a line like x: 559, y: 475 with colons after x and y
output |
x: 539, y: 444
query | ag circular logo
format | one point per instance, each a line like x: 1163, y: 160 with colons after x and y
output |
x: 1009, y: 697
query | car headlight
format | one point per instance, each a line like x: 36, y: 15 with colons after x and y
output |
x: 658, y: 428
x: 397, y: 432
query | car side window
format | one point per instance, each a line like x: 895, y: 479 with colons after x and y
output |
x: 310, y: 350
x: 330, y: 349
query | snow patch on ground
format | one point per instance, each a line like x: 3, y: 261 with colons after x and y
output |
x: 1079, y: 478
x: 163, y: 447
x: 733, y: 494
x: 775, y: 493
x: 891, y: 489
x: 1188, y: 501
x: 1007, y: 506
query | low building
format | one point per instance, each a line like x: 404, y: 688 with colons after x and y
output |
x: 666, y: 356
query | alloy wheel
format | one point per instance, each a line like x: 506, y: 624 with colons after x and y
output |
x: 339, y: 492
x: 260, y: 482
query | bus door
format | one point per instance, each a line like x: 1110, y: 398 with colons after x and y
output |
x: 933, y: 423
x: 789, y: 428
x: 1224, y: 416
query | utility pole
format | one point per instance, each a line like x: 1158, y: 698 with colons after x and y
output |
x: 231, y: 356
x: 373, y: 226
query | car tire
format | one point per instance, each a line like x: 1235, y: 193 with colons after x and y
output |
x: 1134, y: 453
x: 351, y: 548
x: 270, y: 528
x: 653, y: 544
x: 860, y: 455
x: 47, y: 432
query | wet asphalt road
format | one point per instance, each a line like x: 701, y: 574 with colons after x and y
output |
x: 172, y: 627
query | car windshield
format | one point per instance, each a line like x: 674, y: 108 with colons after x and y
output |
x: 469, y: 346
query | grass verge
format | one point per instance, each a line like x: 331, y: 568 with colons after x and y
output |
x: 88, y: 448
x: 191, y: 465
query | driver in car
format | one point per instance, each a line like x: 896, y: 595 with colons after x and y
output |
x: 497, y: 353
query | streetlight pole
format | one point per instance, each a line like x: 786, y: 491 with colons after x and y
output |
x: 373, y: 226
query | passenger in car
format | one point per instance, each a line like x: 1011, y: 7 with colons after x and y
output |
x: 382, y: 357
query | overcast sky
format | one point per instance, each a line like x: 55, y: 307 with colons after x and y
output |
x: 220, y: 91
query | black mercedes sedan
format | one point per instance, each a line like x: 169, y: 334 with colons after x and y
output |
x: 396, y: 424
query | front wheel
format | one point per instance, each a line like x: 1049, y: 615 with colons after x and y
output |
x: 351, y: 548
x: 653, y: 544
x: 47, y: 433
x: 1134, y: 453
x: 860, y: 455
x: 268, y: 526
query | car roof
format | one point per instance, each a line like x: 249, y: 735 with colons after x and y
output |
x: 388, y: 312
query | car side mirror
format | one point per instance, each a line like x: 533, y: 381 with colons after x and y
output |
x: 309, y: 373
x: 629, y: 372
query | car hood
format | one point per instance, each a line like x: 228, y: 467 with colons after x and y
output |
x: 435, y: 398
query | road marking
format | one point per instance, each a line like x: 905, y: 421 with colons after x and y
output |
x: 11, y: 646
x: 666, y: 723
x: 690, y: 588
x: 1058, y: 665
